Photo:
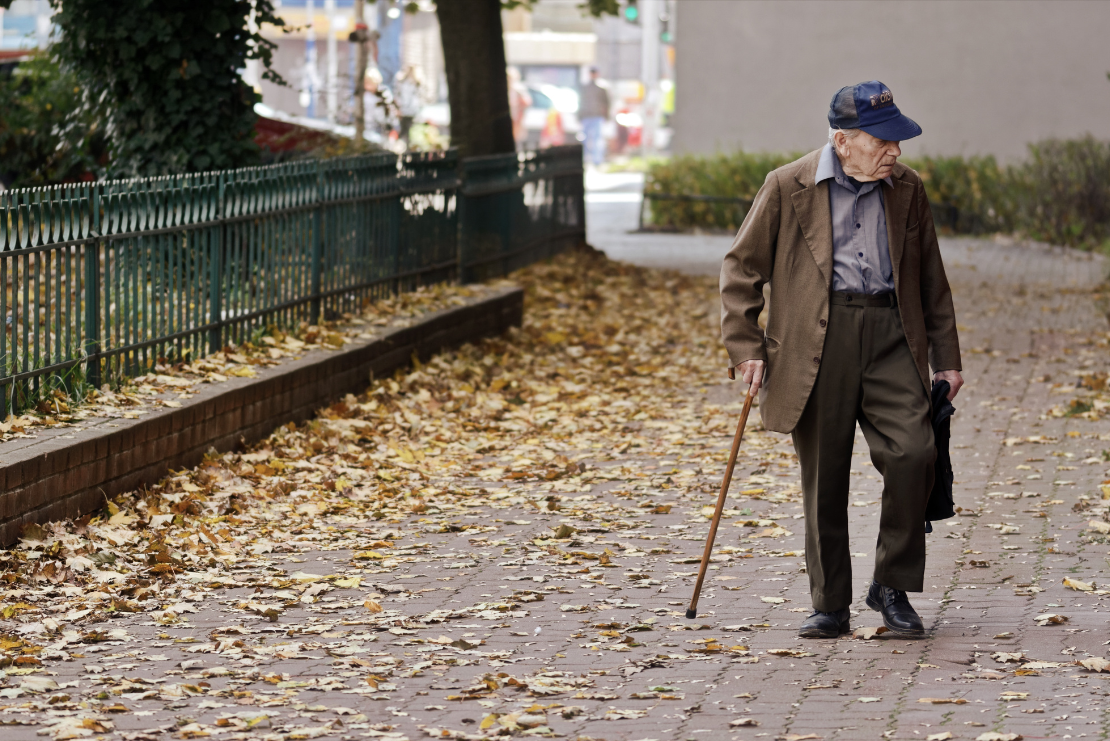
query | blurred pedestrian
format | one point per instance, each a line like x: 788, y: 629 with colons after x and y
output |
x: 379, y: 106
x: 860, y: 310
x: 407, y: 93
x: 519, y: 101
x: 593, y: 112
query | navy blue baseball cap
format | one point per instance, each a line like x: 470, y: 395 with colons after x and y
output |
x: 870, y: 106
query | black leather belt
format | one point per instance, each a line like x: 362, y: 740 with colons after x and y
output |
x: 843, y: 298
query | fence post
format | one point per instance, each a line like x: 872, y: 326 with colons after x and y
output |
x: 396, y: 205
x: 215, y: 271
x: 317, y: 245
x: 92, y: 291
x: 460, y: 223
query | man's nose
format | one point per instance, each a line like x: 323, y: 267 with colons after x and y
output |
x: 894, y: 150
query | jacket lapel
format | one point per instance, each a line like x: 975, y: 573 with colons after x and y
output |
x: 811, y: 206
x: 897, y: 201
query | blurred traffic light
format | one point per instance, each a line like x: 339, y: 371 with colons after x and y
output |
x: 665, y: 34
x: 632, y: 12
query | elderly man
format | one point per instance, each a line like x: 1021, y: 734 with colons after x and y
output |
x: 860, y: 308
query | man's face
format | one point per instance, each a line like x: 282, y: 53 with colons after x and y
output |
x: 866, y: 158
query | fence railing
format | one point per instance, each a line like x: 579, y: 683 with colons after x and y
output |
x: 102, y: 280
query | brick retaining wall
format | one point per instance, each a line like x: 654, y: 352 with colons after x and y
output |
x: 64, y: 473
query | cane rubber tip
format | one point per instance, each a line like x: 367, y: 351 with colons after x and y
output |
x: 691, y: 614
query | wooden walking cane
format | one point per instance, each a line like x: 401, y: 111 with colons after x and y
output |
x: 692, y: 611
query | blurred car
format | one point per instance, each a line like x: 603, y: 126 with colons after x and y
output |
x: 554, y: 109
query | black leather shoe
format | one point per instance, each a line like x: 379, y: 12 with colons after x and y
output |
x: 899, y: 617
x: 825, y: 624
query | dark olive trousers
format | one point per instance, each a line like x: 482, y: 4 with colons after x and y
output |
x: 867, y: 375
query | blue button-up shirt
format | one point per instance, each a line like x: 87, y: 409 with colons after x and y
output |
x: 861, y: 252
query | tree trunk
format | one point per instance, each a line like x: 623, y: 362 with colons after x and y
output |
x: 359, y: 36
x: 478, y: 92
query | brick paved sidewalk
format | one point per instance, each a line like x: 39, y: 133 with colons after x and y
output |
x: 485, y: 632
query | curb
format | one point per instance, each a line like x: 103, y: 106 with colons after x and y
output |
x: 66, y: 473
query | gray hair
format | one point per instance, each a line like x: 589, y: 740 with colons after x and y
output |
x: 848, y: 133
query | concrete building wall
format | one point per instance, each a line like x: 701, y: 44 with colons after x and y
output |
x: 980, y: 76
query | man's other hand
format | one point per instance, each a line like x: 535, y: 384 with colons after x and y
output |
x: 751, y: 371
x: 955, y: 380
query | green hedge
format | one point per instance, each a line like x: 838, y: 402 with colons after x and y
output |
x: 1059, y: 194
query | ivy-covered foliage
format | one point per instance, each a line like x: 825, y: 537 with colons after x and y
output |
x: 164, y: 77
x: 44, y: 136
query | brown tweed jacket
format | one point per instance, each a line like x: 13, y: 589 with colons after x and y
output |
x: 786, y: 241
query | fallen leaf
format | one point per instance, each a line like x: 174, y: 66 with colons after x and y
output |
x: 1013, y: 696
x: 789, y: 652
x: 869, y: 633
x: 1079, y: 586
x: 1050, y: 619
x: 615, y: 714
x: 1006, y: 657
x: 943, y: 701
x: 1095, y: 664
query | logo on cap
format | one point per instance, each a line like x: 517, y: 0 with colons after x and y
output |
x: 882, y: 100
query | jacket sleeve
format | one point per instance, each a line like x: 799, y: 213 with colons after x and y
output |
x: 936, y: 295
x: 746, y: 269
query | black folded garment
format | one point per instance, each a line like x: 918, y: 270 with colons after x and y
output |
x: 941, y: 506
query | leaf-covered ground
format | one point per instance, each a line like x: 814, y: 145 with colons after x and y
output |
x: 169, y: 383
x: 502, y: 542
x: 588, y: 397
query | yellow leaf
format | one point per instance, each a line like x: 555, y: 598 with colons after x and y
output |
x: 943, y: 701
x: 348, y: 583
x: 488, y: 721
x: 372, y: 606
x: 369, y: 555
x: 121, y: 518
x: 1079, y: 586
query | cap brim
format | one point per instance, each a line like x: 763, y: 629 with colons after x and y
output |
x: 896, y: 129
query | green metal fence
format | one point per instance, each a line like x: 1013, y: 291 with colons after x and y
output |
x: 517, y: 210
x: 102, y: 280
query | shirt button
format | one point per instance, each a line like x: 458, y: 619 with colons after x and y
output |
x: 823, y: 322
x: 857, y: 226
x: 861, y: 254
x: 817, y: 360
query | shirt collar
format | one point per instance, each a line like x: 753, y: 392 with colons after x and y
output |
x: 829, y: 167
